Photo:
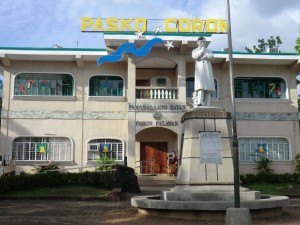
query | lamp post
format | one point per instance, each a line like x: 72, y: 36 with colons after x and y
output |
x: 235, y: 149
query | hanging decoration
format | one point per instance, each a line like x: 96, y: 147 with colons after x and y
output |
x: 157, y: 30
x: 278, y: 91
x: 272, y: 87
x: 105, y: 148
x: 29, y: 82
x: 261, y: 148
x: 139, y: 34
x: 42, y: 148
x: 169, y: 45
x: 21, y: 88
x: 258, y: 88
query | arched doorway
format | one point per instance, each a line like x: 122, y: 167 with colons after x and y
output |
x: 155, y: 145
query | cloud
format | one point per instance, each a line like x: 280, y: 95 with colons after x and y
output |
x: 32, y: 23
x: 250, y: 24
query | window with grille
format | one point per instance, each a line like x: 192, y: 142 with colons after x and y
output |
x: 44, y: 84
x: 106, y: 86
x: 275, y: 149
x: 42, y: 148
x: 190, y: 86
x: 115, y: 149
x: 260, y: 87
x: 161, y: 82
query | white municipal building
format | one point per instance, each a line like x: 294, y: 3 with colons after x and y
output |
x: 60, y: 99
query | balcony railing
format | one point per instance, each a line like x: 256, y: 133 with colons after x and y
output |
x: 156, y: 93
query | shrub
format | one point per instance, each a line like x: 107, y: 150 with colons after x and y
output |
x: 270, y: 178
x: 297, y: 158
x: 23, y: 182
x: 263, y: 164
x: 43, y: 168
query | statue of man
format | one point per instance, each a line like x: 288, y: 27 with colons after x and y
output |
x: 204, y: 78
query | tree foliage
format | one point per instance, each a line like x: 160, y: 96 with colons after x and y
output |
x: 297, y: 47
x: 263, y: 45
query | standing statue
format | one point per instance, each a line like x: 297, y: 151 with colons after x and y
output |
x: 204, y: 78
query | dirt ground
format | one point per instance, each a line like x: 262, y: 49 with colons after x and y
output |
x: 66, y: 212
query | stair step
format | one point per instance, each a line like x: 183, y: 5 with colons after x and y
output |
x: 156, y: 181
x: 141, y: 177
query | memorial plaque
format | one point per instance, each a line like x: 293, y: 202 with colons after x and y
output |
x: 210, y: 147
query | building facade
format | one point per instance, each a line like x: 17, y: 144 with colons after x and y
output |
x: 59, y: 105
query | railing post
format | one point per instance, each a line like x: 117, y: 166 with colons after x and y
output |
x: 152, y: 167
x: 156, y: 93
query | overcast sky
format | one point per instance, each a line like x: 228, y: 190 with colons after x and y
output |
x: 43, y: 23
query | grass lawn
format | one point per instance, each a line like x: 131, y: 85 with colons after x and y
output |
x: 276, y: 188
x: 84, y: 191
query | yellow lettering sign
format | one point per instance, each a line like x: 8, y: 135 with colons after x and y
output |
x: 223, y: 26
x: 139, y: 21
x: 184, y: 25
x: 86, y: 22
x: 197, y: 25
x: 140, y: 24
x: 173, y: 22
x: 211, y: 26
x: 98, y: 25
x: 125, y: 24
x: 112, y: 24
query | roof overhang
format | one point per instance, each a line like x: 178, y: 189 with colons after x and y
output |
x: 9, y: 55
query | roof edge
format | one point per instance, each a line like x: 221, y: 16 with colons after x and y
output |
x: 104, y: 50
x: 53, y: 49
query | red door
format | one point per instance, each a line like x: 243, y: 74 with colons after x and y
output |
x: 154, y: 157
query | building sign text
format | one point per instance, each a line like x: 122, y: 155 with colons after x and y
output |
x: 142, y: 24
x: 154, y: 107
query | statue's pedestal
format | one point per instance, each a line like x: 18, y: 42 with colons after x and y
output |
x: 193, y: 172
x: 205, y: 181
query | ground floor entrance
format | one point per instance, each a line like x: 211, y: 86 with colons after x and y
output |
x: 154, y: 157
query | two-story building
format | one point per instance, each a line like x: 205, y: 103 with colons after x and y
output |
x: 59, y: 105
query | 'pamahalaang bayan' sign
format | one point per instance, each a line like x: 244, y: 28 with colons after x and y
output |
x: 89, y: 24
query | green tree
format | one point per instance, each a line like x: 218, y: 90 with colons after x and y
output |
x: 105, y: 164
x: 263, y: 45
x: 297, y: 47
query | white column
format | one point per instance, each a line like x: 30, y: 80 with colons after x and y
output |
x: 130, y: 147
x: 181, y: 71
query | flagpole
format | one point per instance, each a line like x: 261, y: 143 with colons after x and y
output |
x: 235, y: 149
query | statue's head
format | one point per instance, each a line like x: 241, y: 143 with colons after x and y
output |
x: 201, y: 41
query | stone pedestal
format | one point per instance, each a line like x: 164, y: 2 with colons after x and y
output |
x: 239, y: 216
x: 191, y: 170
x: 207, y: 188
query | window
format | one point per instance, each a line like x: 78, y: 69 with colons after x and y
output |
x: 44, y: 84
x: 42, y: 148
x: 110, y: 147
x: 260, y: 87
x: 276, y: 149
x: 106, y: 86
x: 142, y: 83
x: 190, y: 85
x: 161, y: 82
